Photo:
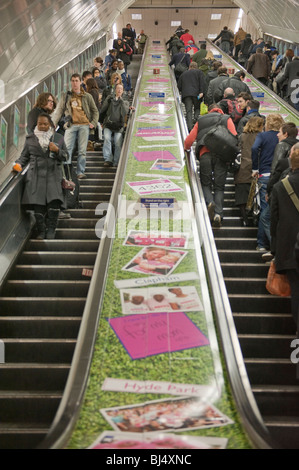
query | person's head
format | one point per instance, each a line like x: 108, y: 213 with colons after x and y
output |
x: 259, y: 50
x: 289, y: 129
x: 44, y: 122
x: 203, y: 46
x: 186, y: 31
x: 119, y: 90
x: 47, y: 102
x: 243, y: 99
x: 225, y: 28
x: 96, y: 72
x: 214, y: 107
x: 259, y: 41
x: 254, y: 125
x: 193, y: 66
x: 274, y: 54
x: 222, y: 70
x: 253, y: 104
x: 115, y: 79
x: 114, y: 64
x: 98, y: 62
x: 241, y: 75
x: 91, y: 84
x: 216, y: 65
x: 113, y: 52
x: 121, y: 65
x: 294, y: 157
x: 228, y: 92
x: 289, y: 54
x: 86, y: 75
x: 76, y: 83
x: 273, y: 122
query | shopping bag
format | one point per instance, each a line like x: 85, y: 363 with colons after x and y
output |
x: 277, y: 284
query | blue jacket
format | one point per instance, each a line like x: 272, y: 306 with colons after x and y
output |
x: 263, y: 151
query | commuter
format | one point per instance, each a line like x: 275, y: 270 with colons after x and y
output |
x: 113, y: 68
x: 124, y: 52
x: 191, y: 49
x: 229, y: 105
x: 178, y: 61
x: 113, y: 115
x: 281, y: 81
x: 119, y: 37
x: 213, y: 73
x: 238, y: 38
x: 129, y: 34
x: 46, y: 151
x: 141, y: 41
x: 252, y: 110
x: 200, y: 55
x: 262, y: 157
x: 45, y: 103
x: 186, y: 37
x: 259, y: 66
x: 213, y: 170
x: 191, y: 84
x: 175, y: 45
x: 204, y: 67
x: 237, y: 83
x: 291, y: 75
x: 275, y: 61
x: 99, y: 77
x: 93, y: 90
x: 179, y: 31
x: 214, y: 85
x: 259, y: 44
x: 268, y: 49
x: 81, y: 115
x: 110, y: 90
x: 109, y: 58
x: 126, y: 79
x: 284, y: 230
x: 244, y: 50
x: 225, y: 37
x: 85, y: 76
x: 243, y: 177
x: 98, y: 63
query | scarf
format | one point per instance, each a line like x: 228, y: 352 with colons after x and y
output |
x: 43, y: 138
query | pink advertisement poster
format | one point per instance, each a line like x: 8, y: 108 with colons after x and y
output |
x: 157, y: 333
x: 154, y: 155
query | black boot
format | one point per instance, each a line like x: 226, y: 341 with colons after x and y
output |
x: 40, y: 226
x: 244, y: 216
x: 53, y: 215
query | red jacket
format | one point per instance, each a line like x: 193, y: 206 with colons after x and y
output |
x: 190, y: 139
x: 186, y: 38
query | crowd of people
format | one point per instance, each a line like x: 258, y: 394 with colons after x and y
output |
x: 91, y: 114
x: 265, y: 149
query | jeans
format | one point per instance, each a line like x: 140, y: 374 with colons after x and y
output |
x: 225, y: 46
x: 213, y: 176
x: 263, y: 234
x: 71, y: 135
x: 191, y: 102
x: 107, y: 147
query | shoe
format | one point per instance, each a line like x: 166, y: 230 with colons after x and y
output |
x: 90, y: 147
x: 217, y: 221
x: 260, y: 248
x: 52, y: 221
x: 211, y: 211
x: 82, y: 176
x: 267, y: 257
x: 108, y: 163
x: 64, y: 215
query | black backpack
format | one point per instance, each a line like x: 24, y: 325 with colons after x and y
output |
x: 221, y: 142
x: 114, y: 117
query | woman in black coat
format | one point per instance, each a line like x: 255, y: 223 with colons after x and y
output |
x: 45, y: 103
x: 45, y: 152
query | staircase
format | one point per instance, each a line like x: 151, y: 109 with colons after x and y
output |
x: 264, y: 325
x: 41, y: 308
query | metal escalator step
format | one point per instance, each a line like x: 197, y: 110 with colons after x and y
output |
x: 56, y: 257
x: 244, y: 270
x: 72, y: 245
x: 246, y: 286
x: 245, y: 256
x: 75, y: 233
x: 283, y: 399
x: 19, y: 409
x: 51, y: 306
x: 35, y: 288
x: 264, y: 323
x: 25, y: 377
x: 259, y: 303
x: 234, y: 243
x: 270, y: 346
x: 234, y: 233
x: 41, y: 351
x: 264, y: 371
x: 76, y: 223
x: 53, y: 273
x: 40, y: 327
x: 12, y: 437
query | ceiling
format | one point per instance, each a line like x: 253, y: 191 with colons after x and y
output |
x: 39, y: 36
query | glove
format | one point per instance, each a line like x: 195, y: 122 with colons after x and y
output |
x: 17, y: 167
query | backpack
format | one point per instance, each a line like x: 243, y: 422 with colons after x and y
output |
x: 234, y: 110
x: 114, y: 118
x: 221, y: 142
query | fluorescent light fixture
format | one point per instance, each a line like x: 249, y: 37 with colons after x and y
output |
x: 212, y: 36
x: 114, y: 30
x: 238, y: 23
x: 216, y: 16
x: 176, y: 23
x: 136, y: 16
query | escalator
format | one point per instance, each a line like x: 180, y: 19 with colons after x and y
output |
x: 42, y: 303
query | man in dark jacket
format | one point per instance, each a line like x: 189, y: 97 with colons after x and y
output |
x: 252, y: 110
x: 259, y: 66
x: 191, y: 84
x: 284, y: 230
x: 225, y: 37
x: 215, y: 84
x: 180, y: 58
x: 213, y: 170
x: 291, y: 74
x: 236, y: 82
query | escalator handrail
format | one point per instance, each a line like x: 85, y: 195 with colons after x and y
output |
x: 72, y: 399
x: 237, y: 373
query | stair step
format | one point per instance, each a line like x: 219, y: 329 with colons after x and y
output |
x: 28, y: 306
x: 270, y: 346
x: 51, y: 273
x: 40, y: 327
x: 264, y: 323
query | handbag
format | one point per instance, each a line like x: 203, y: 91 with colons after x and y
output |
x: 277, y: 284
x: 67, y: 184
x: 180, y: 67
